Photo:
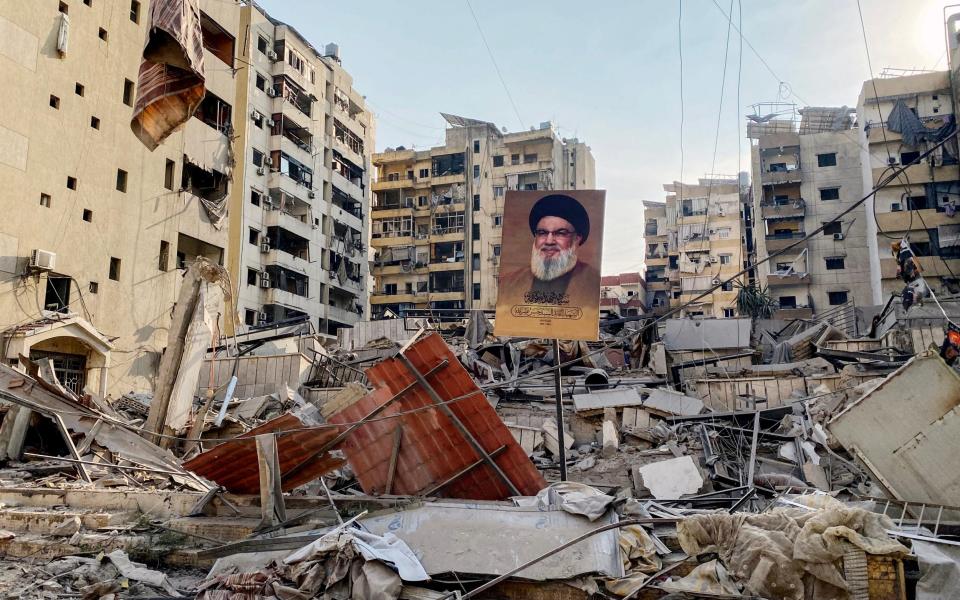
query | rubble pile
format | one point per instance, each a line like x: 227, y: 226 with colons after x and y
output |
x: 425, y: 460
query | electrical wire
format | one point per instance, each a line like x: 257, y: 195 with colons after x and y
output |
x: 495, y: 65
x: 880, y: 185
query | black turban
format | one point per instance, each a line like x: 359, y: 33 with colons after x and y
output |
x: 565, y: 207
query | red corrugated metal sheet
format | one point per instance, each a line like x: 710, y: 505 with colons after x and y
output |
x: 234, y: 465
x: 432, y: 448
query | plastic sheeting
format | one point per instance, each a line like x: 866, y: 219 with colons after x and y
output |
x: 939, y: 571
x: 780, y: 554
x: 904, y: 121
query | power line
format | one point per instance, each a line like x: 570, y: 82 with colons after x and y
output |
x: 495, y: 66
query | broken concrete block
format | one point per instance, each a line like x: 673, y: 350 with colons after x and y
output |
x: 67, y: 528
x: 550, y: 437
x: 587, y: 463
x: 671, y: 478
x: 611, y: 440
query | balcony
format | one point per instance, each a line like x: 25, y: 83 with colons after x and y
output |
x: 905, y: 220
x: 791, y: 208
x: 349, y: 187
x: 396, y: 298
x: 774, y: 280
x: 779, y: 241
x: 285, y: 260
x: 919, y: 174
x: 780, y: 177
x: 342, y: 315
x: 696, y: 244
x: 291, y: 223
x: 380, y: 240
x: 788, y: 314
x: 291, y: 300
x: 288, y: 185
x: 298, y: 150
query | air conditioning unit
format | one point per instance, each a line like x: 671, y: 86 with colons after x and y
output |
x: 268, y: 161
x: 837, y: 237
x: 261, y: 170
x: 265, y: 280
x: 262, y: 317
x: 255, y: 115
x: 272, y: 56
x: 896, y: 207
x: 272, y: 92
x: 43, y: 260
x: 265, y: 247
x: 715, y: 281
x: 271, y: 122
x: 713, y: 259
x: 311, y: 194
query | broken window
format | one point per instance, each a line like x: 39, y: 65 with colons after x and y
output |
x: 788, y: 301
x: 252, y: 276
x: 917, y: 203
x: 293, y: 169
x: 57, y: 296
x: 45, y: 200
x: 250, y: 315
x: 834, y: 263
x: 907, y: 158
x: 189, y: 248
x: 830, y: 193
x: 216, y: 39
x: 261, y: 82
x: 447, y: 223
x: 253, y: 236
x: 216, y: 113
x: 828, y: 159
x: 835, y: 298
x: 94, y: 287
x: 832, y: 227
x: 164, y: 260
x: 262, y: 44
x: 209, y: 185
x: 448, y: 164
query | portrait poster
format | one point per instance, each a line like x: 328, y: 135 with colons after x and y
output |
x: 549, y: 285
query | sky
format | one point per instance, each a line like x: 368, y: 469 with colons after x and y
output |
x: 609, y: 73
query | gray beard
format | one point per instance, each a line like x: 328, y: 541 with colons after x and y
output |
x: 548, y: 269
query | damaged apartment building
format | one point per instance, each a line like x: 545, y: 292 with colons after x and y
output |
x: 698, y: 245
x: 92, y: 259
x: 437, y: 215
x: 806, y: 172
x: 901, y: 118
x: 299, y: 249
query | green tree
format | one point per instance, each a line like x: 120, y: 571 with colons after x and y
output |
x: 754, y: 300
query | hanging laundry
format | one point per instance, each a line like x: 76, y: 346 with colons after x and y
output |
x: 950, y: 209
x: 171, y: 83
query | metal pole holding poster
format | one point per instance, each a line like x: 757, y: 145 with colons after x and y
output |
x: 559, y: 393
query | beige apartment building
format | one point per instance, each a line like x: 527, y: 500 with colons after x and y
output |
x: 299, y: 212
x: 805, y: 173
x: 704, y: 245
x: 268, y: 179
x: 437, y: 213
x: 921, y: 203
x: 656, y: 257
x: 96, y: 226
